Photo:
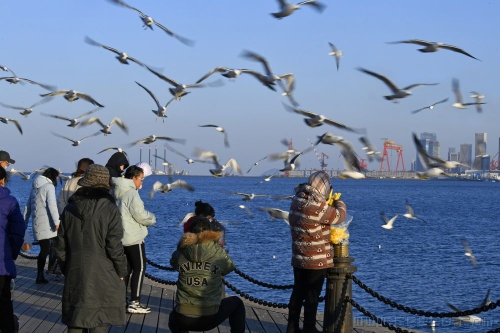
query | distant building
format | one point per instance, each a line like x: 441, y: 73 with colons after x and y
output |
x: 454, y: 156
x: 465, y: 156
x: 479, y: 149
x: 451, y: 151
x: 431, y: 145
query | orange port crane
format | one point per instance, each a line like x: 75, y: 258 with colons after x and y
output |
x: 323, y: 164
x: 389, y: 145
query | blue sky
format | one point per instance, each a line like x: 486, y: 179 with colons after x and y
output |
x: 44, y: 41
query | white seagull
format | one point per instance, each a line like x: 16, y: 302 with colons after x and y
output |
x: 219, y: 168
x: 270, y: 78
x: 152, y: 138
x: 289, y: 87
x: 276, y: 213
x: 76, y: 142
x: 248, y: 211
x: 315, y: 120
x: 388, y: 222
x: 329, y: 139
x: 106, y: 129
x: 73, y: 95
x: 369, y: 148
x: 121, y: 56
x: 114, y: 148
x: 165, y: 188
x: 162, y: 110
x: 5, y: 69
x: 432, y: 163
x: 459, y: 104
x: 188, y: 160
x: 397, y: 92
x: 469, y: 253
x: 179, y: 89
x: 72, y: 122
x: 251, y: 196
x: 15, y: 80
x: 336, y: 53
x: 430, y: 107
x: 221, y: 130
x: 287, y: 9
x: 433, y: 46
x: 230, y: 73
x: 479, y: 97
x: 13, y: 121
x: 467, y: 319
x: 410, y: 213
x: 351, y: 163
x: 148, y: 23
x: 256, y: 163
x: 26, y: 111
x: 24, y: 176
x: 267, y: 179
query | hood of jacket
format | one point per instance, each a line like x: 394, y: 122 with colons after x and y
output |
x: 40, y: 181
x: 317, y: 188
x: 193, y: 245
x: 114, y: 163
x: 122, y: 186
x: 4, y: 192
x: 82, y: 200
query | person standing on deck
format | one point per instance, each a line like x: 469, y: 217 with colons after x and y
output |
x: 90, y: 252
x: 12, y: 229
x: 71, y: 184
x: 135, y: 221
x: 42, y: 204
x: 202, y: 264
x: 116, y: 164
x: 310, y: 219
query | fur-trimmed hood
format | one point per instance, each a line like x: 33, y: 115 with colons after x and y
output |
x: 197, y: 247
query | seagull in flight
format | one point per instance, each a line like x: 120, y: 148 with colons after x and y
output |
x: 179, y: 89
x: 162, y: 110
x: 458, y: 96
x: 188, y: 160
x: 221, y: 130
x: 270, y: 78
x: 219, y: 168
x: 152, y: 138
x: 76, y: 142
x: 26, y: 111
x: 148, y: 23
x: 251, y: 196
x: 410, y: 214
x: 433, y: 46
x: 248, y: 211
x: 479, y: 97
x: 72, y: 122
x: 315, y: 120
x: 276, y: 213
x: 431, y: 164
x: 24, y: 176
x: 430, y: 107
x: 398, y: 93
x: 256, y: 163
x: 121, y: 56
x: 15, y: 80
x: 114, y: 148
x: 165, y: 188
x: 287, y: 9
x: 468, y: 253
x: 73, y: 95
x: 370, y: 149
x: 335, y: 53
x: 230, y: 73
x: 267, y: 179
x: 5, y: 69
x: 106, y: 129
x: 473, y: 319
x: 351, y: 162
x: 289, y: 87
x: 13, y: 121
x: 388, y: 222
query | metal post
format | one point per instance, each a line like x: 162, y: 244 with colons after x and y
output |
x: 164, y: 158
x: 156, y: 154
x: 140, y: 154
x: 149, y: 156
x: 338, y: 313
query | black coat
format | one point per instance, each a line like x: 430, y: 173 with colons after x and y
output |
x: 92, y: 259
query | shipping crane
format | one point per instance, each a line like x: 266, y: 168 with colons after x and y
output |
x: 321, y: 158
x: 495, y: 162
x: 323, y: 164
x: 389, y: 145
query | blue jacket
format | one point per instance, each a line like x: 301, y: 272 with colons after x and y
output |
x: 42, y: 204
x: 12, y: 230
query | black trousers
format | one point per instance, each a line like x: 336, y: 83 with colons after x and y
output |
x: 230, y: 307
x: 46, y: 249
x: 102, y: 329
x: 306, y: 290
x: 6, y: 308
x: 136, y: 264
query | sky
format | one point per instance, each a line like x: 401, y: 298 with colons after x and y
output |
x: 44, y: 42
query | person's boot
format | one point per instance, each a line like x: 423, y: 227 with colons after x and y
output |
x: 310, y: 321
x: 40, y: 278
x: 293, y: 328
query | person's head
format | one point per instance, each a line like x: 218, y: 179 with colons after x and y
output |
x: 203, y: 209
x: 117, y: 162
x: 320, y: 181
x: 199, y: 224
x: 82, y: 166
x: 95, y: 176
x: 5, y: 159
x: 3, y: 176
x: 51, y: 174
x: 136, y: 174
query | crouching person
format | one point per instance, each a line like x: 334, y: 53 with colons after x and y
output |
x: 201, y: 264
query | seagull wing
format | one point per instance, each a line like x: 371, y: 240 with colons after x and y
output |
x: 339, y: 125
x: 486, y: 301
x: 54, y: 116
x: 454, y: 308
x: 119, y: 123
x: 422, y: 154
x: 106, y: 149
x: 187, y: 217
x: 63, y: 137
x: 55, y: 93
x: 315, y: 4
x: 91, y: 135
x: 415, y: 111
x: 176, y: 152
x: 94, y: 43
x: 179, y: 183
x: 92, y: 120
x: 409, y: 209
x: 456, y: 89
x: 226, y: 140
x: 215, y: 70
x: 412, y: 86
x: 256, y: 57
x: 16, y: 123
x: 413, y: 41
x: 85, y: 114
x: 11, y: 107
x: 163, y: 77
x: 443, y: 101
x: 136, y: 61
x: 156, y: 187
x: 456, y: 49
x: 121, y: 3
x: 88, y: 99
x: 181, y: 141
x: 150, y: 94
x: 43, y: 101
x: 44, y: 86
x: 232, y: 163
x: 388, y: 82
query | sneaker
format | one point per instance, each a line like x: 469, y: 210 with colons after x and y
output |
x: 136, y: 307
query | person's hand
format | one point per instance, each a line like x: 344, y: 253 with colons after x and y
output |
x: 121, y: 278
x: 57, y: 227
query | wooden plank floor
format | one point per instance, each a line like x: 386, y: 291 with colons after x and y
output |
x: 39, y: 308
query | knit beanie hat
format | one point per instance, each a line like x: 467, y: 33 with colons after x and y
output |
x: 95, y: 176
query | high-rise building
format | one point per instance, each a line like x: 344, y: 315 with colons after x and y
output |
x: 479, y: 149
x: 431, y: 145
x: 451, y: 151
x: 454, y: 156
x: 465, y: 156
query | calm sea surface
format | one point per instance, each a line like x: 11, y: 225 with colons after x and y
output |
x: 417, y: 265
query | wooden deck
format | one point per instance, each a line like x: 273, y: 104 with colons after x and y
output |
x: 39, y: 308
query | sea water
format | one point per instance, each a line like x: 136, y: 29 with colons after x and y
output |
x: 417, y: 264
